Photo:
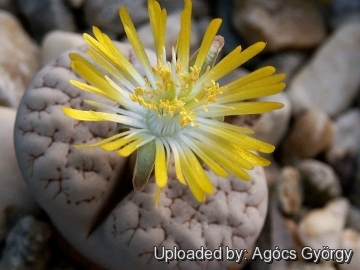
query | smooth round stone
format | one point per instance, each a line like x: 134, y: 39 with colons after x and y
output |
x: 75, y: 187
x: 311, y: 134
x: 281, y: 23
x: 19, y: 60
x: 324, y: 226
x: 56, y: 42
x: 15, y: 198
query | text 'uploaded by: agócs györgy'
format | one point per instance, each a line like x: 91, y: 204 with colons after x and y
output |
x: 266, y: 255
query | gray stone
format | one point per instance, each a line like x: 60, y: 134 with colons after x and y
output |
x: 43, y: 16
x: 105, y: 14
x: 320, y: 182
x: 281, y: 23
x: 347, y: 136
x: 19, y: 60
x: 27, y: 246
x: 346, y: 146
x: 330, y: 80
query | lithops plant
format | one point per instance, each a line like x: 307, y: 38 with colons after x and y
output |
x: 208, y: 191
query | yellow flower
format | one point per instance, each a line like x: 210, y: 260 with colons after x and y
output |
x: 178, y: 107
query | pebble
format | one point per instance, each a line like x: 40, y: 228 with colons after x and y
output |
x: 311, y: 133
x: 330, y: 80
x: 15, y: 198
x: 324, y: 226
x: 289, y: 191
x: 104, y: 14
x: 18, y: 60
x: 172, y: 31
x: 281, y: 23
x: 43, y: 16
x: 350, y: 239
x: 27, y: 245
x: 320, y: 182
x: 271, y: 127
x: 56, y: 42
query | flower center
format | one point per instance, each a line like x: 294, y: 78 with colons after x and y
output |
x: 169, y: 97
x: 163, y: 126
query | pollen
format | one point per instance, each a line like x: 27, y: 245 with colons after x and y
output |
x: 169, y: 95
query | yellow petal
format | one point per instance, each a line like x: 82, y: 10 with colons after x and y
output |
x: 107, y: 49
x: 183, y: 46
x: 231, y: 165
x: 85, y: 70
x: 102, y: 142
x: 223, y: 148
x: 136, y: 43
x: 198, y: 173
x: 207, y: 41
x: 117, y: 144
x: 233, y: 60
x: 130, y: 148
x: 223, y: 125
x: 160, y: 165
x: 102, y: 116
x: 214, y: 166
x: 249, y: 92
x: 242, y: 108
x: 158, y: 26
x: 176, y: 149
x: 252, y: 77
x: 192, y: 181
